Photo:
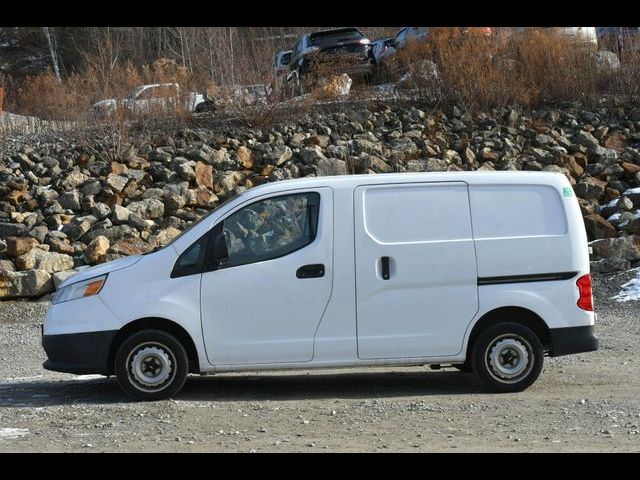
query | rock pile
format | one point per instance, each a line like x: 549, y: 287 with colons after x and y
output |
x: 63, y: 206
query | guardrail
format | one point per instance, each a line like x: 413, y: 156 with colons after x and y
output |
x: 11, y: 123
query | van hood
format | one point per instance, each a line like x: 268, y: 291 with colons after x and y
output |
x: 85, y: 273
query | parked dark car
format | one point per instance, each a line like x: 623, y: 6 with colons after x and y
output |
x: 618, y: 39
x: 281, y: 62
x: 280, y: 70
x: 344, y: 50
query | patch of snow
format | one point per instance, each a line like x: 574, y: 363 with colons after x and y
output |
x: 87, y: 377
x: 631, y: 190
x: 630, y: 291
x: 13, y: 432
x: 614, y: 218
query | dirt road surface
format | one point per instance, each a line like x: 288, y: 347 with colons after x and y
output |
x: 586, y: 402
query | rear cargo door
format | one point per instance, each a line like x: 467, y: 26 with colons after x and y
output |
x: 416, y: 278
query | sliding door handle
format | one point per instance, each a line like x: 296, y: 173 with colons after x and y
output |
x: 385, y: 268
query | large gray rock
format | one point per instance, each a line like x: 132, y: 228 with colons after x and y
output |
x: 607, y: 61
x: 31, y: 283
x: 92, y: 188
x: 331, y: 166
x: 159, y: 155
x: 367, y: 146
x: 75, y: 178
x: 278, y: 155
x: 624, y: 247
x: 590, y: 188
x: 586, y: 139
x: 100, y: 210
x: 149, y: 208
x: 632, y: 225
x: 120, y: 214
x: 186, y: 171
x: 404, y: 146
x: 632, y: 194
x: 39, y: 259
x: 610, y: 264
x: 620, y: 204
x: 117, y: 182
x: 7, y: 265
x: 312, y: 154
x: 113, y: 234
x: 12, y: 230
x: 70, y: 200
x: 76, y: 228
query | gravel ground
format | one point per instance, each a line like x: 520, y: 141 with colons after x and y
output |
x: 588, y: 402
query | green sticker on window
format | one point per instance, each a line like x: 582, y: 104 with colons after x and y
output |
x: 567, y: 191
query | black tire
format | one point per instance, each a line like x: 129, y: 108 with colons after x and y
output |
x: 206, y: 106
x: 498, y: 351
x: 464, y: 367
x: 142, y: 354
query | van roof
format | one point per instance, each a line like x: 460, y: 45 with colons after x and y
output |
x: 472, y: 178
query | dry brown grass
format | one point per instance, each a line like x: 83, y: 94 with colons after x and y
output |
x: 523, y: 69
x: 44, y: 97
x: 475, y: 72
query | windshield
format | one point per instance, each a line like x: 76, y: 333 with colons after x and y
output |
x: 332, y: 37
x: 198, y: 222
x: 135, y: 92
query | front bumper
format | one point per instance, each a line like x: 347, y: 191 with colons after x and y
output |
x: 565, y: 341
x: 79, y: 353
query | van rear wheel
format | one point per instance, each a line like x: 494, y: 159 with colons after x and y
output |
x: 464, y: 367
x: 151, y: 365
x: 507, y: 357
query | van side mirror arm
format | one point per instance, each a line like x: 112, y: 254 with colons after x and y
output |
x: 217, y: 251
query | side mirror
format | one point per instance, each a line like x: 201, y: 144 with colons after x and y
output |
x: 219, y: 253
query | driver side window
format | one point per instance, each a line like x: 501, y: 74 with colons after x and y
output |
x: 271, y: 228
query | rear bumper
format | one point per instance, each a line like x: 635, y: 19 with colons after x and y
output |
x: 79, y: 353
x: 565, y: 341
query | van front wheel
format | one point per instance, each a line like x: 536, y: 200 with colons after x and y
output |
x: 507, y: 357
x: 151, y: 365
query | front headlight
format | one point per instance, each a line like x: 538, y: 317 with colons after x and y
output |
x: 85, y: 288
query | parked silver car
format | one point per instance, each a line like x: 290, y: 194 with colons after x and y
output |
x: 147, y: 98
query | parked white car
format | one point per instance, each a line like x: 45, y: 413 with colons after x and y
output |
x: 146, y: 98
x: 486, y: 271
x: 581, y: 34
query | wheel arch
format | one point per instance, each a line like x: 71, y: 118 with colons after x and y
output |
x: 155, y: 323
x: 520, y: 315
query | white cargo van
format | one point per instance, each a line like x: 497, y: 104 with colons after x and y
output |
x: 485, y: 271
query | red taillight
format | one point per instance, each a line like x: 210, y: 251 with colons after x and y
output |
x: 585, y: 301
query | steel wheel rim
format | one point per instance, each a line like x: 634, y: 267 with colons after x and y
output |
x: 151, y: 367
x: 509, y: 358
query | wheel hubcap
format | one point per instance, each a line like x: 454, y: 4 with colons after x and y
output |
x: 151, y: 367
x: 509, y: 358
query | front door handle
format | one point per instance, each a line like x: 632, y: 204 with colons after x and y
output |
x: 385, y: 268
x: 314, y: 270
